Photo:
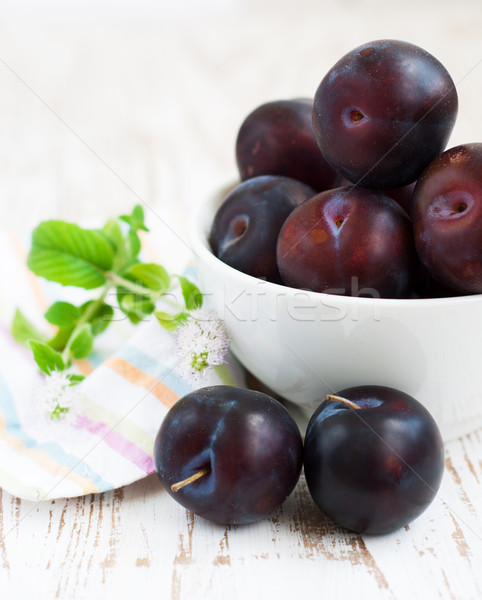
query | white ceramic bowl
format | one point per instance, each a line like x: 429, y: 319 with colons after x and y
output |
x: 304, y: 345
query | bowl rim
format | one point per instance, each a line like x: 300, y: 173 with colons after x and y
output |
x: 198, y: 231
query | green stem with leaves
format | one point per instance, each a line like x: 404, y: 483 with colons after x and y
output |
x: 153, y: 295
x: 119, y: 281
x: 104, y: 259
x: 91, y: 310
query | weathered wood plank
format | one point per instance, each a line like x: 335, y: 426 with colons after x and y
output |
x: 141, y: 534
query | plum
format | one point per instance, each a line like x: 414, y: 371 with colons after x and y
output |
x: 403, y: 196
x: 447, y: 218
x: 425, y: 286
x: 376, y: 464
x: 383, y: 112
x: 277, y: 139
x: 228, y: 454
x: 245, y: 229
x: 350, y: 241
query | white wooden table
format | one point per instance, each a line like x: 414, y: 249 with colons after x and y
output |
x: 99, y: 113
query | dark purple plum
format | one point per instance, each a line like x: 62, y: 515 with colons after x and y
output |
x: 244, y: 443
x: 277, y: 139
x: 383, y: 112
x: 426, y: 286
x: 349, y: 241
x: 447, y: 218
x: 375, y: 468
x: 403, y: 196
x: 246, y: 226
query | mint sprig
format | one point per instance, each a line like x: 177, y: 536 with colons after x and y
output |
x: 105, y: 260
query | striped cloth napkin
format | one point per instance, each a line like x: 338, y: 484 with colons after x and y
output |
x: 130, y: 385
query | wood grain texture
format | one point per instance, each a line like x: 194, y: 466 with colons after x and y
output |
x: 136, y: 540
x: 99, y: 115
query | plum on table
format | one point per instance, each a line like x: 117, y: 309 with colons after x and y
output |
x: 375, y: 465
x: 240, y: 451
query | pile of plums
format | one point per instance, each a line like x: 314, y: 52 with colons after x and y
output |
x: 356, y: 185
x: 373, y: 456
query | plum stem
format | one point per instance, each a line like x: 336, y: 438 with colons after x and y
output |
x: 336, y: 398
x: 175, y: 487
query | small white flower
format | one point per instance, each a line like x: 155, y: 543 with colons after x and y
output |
x: 57, y: 395
x: 202, y: 344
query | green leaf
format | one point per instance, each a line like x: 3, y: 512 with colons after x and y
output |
x: 133, y: 245
x: 66, y: 253
x: 83, y: 342
x: 113, y: 233
x: 60, y: 339
x: 135, y: 307
x: 74, y: 378
x: 170, y: 321
x: 191, y: 293
x: 23, y: 330
x: 102, y: 317
x: 47, y: 358
x: 136, y: 219
x: 62, y: 314
x: 150, y: 275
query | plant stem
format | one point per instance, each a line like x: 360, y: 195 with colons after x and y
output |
x: 113, y: 280
x: 135, y: 288
x: 85, y: 318
x: 349, y: 403
x: 175, y: 487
